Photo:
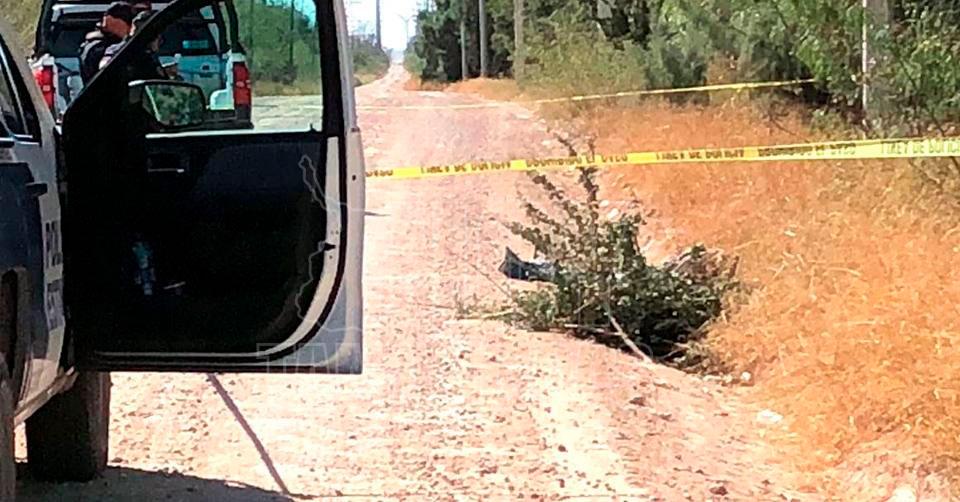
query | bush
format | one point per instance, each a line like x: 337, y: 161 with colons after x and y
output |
x: 412, y: 62
x: 368, y: 59
x: 571, y: 48
x: 605, y: 288
x: 785, y: 39
x: 570, y: 55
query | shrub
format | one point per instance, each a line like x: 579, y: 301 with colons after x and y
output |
x: 570, y: 55
x: 604, y: 287
x: 368, y: 59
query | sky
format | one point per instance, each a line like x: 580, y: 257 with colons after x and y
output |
x: 362, y: 13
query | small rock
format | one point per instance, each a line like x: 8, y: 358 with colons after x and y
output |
x: 903, y: 494
x: 563, y: 449
x: 745, y: 377
x: 769, y: 417
x: 719, y: 490
x: 639, y: 401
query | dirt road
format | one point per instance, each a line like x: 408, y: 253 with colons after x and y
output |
x: 447, y: 409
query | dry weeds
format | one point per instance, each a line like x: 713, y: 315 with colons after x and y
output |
x: 497, y: 89
x: 416, y: 84
x: 853, y: 333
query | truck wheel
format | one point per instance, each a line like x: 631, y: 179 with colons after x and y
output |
x: 8, y: 462
x: 67, y: 439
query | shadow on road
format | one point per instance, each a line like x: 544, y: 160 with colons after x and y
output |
x: 133, y: 485
x: 238, y: 415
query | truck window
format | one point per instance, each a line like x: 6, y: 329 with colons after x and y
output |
x: 282, y: 49
x: 194, y: 35
x: 10, y: 112
x: 190, y: 37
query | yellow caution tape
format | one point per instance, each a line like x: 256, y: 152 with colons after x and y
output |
x: 835, y: 150
x: 592, y: 97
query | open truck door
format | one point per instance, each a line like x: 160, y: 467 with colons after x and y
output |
x: 193, y: 247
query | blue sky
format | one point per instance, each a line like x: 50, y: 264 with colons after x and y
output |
x: 363, y: 12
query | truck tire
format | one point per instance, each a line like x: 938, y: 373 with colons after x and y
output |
x: 67, y: 439
x: 8, y: 462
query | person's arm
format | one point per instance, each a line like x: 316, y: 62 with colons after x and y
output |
x: 90, y: 60
x: 108, y: 55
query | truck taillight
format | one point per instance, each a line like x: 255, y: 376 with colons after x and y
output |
x: 242, y: 95
x: 44, y: 77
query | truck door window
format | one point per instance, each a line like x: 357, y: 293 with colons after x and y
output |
x: 9, y: 105
x: 29, y: 119
x: 279, y: 44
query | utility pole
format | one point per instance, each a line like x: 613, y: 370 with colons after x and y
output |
x: 406, y: 26
x: 291, y: 68
x: 876, y: 15
x: 379, y: 28
x: 518, y: 55
x: 463, y: 48
x: 483, y: 39
x: 250, y: 32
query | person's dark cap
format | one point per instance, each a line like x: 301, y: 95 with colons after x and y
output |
x: 121, y: 10
x: 141, y: 19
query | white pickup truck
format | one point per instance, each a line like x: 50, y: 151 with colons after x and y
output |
x: 256, y: 239
x: 204, y: 45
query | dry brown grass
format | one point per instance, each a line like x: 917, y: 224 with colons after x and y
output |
x: 853, y: 333
x: 495, y: 89
x: 416, y: 84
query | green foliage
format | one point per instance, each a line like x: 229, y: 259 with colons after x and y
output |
x: 924, y: 76
x: 784, y: 39
x: 266, y: 32
x: 568, y: 54
x: 265, y: 29
x: 413, y: 62
x: 437, y: 44
x: 604, y: 283
x: 573, y: 47
x: 368, y: 59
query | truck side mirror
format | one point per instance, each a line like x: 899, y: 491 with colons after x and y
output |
x: 172, y: 105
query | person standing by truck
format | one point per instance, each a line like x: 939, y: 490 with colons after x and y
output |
x: 145, y: 66
x: 113, y: 28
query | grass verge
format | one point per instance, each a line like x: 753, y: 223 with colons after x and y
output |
x: 852, y: 333
x: 851, y: 330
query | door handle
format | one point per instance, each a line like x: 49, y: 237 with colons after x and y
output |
x: 37, y: 189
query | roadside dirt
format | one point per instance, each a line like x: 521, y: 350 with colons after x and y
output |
x: 447, y: 409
